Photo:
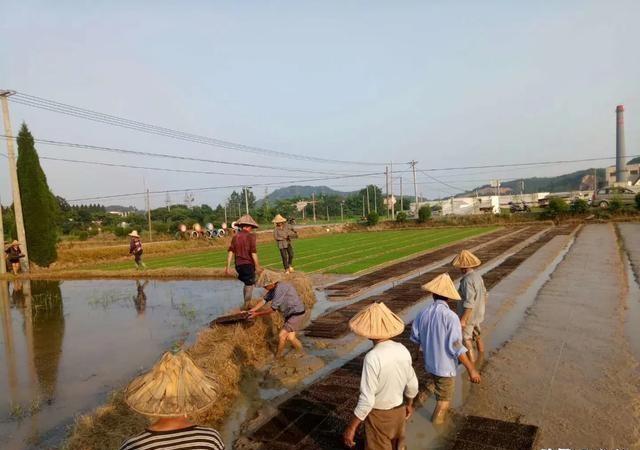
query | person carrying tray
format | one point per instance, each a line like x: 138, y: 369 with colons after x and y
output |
x: 285, y: 299
x: 283, y: 233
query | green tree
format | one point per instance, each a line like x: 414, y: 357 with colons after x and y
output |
x: 401, y: 217
x: 424, y: 213
x: 579, y: 206
x: 40, y: 207
x: 373, y: 218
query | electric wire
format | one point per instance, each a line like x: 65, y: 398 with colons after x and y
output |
x: 83, y: 113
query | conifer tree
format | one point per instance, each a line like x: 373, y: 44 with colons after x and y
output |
x: 39, y: 206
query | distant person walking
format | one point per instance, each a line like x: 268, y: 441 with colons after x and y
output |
x: 283, y: 233
x: 471, y: 307
x: 437, y: 330
x: 135, y: 249
x: 243, y: 250
x: 14, y: 253
x: 283, y: 298
x: 171, y: 392
x: 388, y: 384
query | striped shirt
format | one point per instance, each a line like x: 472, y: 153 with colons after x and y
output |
x: 190, y: 438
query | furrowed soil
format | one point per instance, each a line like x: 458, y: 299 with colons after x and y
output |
x: 568, y: 369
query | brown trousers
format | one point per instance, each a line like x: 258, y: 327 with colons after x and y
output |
x: 384, y: 429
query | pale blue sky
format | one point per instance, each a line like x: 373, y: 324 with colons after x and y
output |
x: 445, y: 83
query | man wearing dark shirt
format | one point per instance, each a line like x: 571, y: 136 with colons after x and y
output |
x: 243, y: 248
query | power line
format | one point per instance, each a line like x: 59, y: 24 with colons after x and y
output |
x: 166, y: 155
x: 216, y: 187
x: 442, y: 182
x: 70, y: 110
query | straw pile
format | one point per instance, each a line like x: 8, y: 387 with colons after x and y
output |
x: 224, y: 353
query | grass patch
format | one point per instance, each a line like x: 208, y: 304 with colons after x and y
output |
x: 334, y: 253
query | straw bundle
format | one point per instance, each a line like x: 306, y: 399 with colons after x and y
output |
x: 224, y: 353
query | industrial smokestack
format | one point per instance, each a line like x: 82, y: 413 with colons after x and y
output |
x: 621, y: 163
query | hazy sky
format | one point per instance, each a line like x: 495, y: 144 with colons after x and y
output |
x: 445, y: 83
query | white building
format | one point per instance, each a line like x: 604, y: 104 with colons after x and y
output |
x: 634, y: 175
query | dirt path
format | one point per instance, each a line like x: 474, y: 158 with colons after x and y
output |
x: 568, y: 369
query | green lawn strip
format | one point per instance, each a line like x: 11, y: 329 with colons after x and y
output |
x: 210, y: 255
x: 389, y: 253
x: 268, y: 252
x: 375, y: 248
x: 353, y: 251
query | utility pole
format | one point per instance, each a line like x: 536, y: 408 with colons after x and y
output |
x: 246, y: 199
x: 149, y: 215
x: 393, y: 205
x: 13, y: 173
x: 368, y: 204
x: 415, y: 186
x: 327, y: 212
x: 313, y: 203
x: 363, y: 213
x: 3, y: 261
x: 225, y: 214
x: 401, y: 199
x: 167, y: 201
x: 375, y: 199
x: 341, y: 211
x: 386, y: 189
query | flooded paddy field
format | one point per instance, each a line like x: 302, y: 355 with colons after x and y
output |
x: 66, y: 345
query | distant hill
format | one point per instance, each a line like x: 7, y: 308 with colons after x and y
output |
x: 582, y: 179
x: 301, y: 191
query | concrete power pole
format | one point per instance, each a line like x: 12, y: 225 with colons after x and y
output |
x: 393, y: 205
x: 313, y: 204
x: 3, y: 261
x: 415, y: 186
x: 149, y: 215
x: 246, y: 200
x: 386, y: 188
x: 368, y: 204
x: 375, y: 199
x: 401, y: 200
x: 13, y: 173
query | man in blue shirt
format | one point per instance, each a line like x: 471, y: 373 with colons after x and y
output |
x: 438, y: 332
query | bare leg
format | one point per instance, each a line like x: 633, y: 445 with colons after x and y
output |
x: 468, y: 343
x: 282, y: 341
x: 295, y: 342
x: 15, y: 267
x: 440, y: 412
x: 480, y: 344
x: 247, y: 292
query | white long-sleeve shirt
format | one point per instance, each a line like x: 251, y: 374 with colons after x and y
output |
x: 387, y: 377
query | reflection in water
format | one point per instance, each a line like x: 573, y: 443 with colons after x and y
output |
x: 140, y: 300
x: 48, y: 333
x: 9, y: 350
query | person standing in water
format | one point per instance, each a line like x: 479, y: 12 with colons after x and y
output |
x: 169, y: 394
x: 474, y: 296
x: 243, y: 250
x: 282, y: 233
x: 135, y: 249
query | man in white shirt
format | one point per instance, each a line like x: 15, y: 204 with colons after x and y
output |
x: 388, y: 384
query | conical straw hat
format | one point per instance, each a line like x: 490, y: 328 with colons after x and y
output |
x: 15, y: 243
x: 134, y: 233
x: 466, y: 260
x: 268, y: 277
x: 279, y: 219
x: 442, y: 285
x: 174, y: 387
x: 376, y: 321
x: 247, y: 220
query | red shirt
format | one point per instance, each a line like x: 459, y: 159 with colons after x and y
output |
x: 243, y: 245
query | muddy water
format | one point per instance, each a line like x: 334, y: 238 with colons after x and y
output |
x: 66, y: 345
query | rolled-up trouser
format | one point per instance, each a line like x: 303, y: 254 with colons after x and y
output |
x: 384, y: 429
x: 287, y: 256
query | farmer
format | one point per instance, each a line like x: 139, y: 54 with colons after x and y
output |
x: 174, y: 389
x: 284, y: 298
x: 135, y: 249
x: 282, y: 233
x: 474, y: 296
x: 13, y: 256
x: 243, y: 248
x: 437, y: 330
x: 388, y: 384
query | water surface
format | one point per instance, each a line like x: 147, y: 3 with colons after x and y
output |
x: 67, y: 344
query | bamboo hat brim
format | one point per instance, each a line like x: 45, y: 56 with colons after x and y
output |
x: 466, y: 260
x: 279, y: 219
x: 174, y: 387
x: 134, y: 233
x: 376, y: 321
x: 442, y: 285
x: 268, y: 277
x: 15, y: 243
x: 247, y: 220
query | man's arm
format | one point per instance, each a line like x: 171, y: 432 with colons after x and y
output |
x: 229, y: 259
x: 254, y: 256
x: 410, y: 391
x: 474, y: 375
x: 368, y: 388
